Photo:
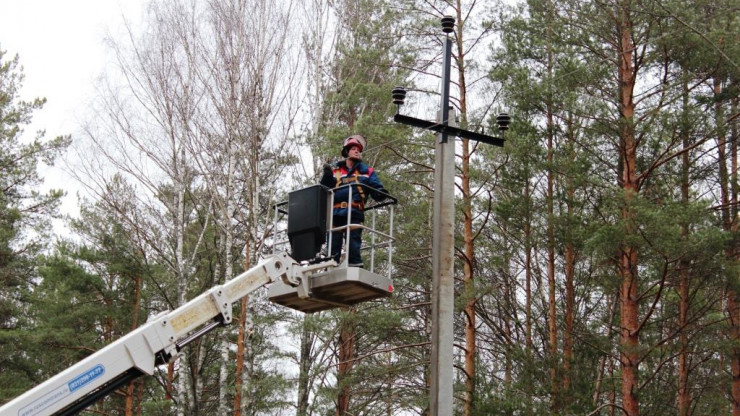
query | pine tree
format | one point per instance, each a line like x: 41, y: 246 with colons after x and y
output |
x: 89, y: 296
x: 358, y: 102
x: 584, y: 129
x: 24, y: 222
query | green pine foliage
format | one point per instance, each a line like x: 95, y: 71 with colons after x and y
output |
x: 550, y: 65
x: 25, y: 215
x: 390, y: 351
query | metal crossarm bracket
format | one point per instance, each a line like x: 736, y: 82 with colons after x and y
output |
x: 447, y: 129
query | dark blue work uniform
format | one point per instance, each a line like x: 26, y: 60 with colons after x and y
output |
x: 341, y: 175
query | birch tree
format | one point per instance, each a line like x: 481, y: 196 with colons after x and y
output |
x: 143, y: 129
x: 250, y: 81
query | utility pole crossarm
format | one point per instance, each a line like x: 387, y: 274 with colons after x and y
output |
x: 447, y: 129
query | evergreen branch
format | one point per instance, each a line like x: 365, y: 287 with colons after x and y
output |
x: 486, y: 219
x: 420, y: 344
x: 701, y: 35
x: 413, y: 305
x: 664, y: 158
x: 598, y: 409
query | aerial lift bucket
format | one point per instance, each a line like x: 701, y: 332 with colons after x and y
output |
x: 309, y: 222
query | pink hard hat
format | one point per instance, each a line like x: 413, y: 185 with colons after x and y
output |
x: 355, y: 140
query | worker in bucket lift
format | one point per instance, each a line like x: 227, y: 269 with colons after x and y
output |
x: 351, y: 170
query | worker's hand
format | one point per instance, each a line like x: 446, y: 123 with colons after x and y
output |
x: 378, y: 197
x: 327, y: 177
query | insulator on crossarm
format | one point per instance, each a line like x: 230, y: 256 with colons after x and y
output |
x: 448, y: 24
x: 399, y: 95
x: 503, y: 120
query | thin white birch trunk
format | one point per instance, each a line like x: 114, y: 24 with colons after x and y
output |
x: 184, y: 399
x: 227, y: 216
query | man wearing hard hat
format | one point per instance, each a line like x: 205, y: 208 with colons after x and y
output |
x: 364, y: 184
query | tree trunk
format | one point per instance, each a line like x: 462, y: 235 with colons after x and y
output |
x: 253, y: 190
x: 185, y: 400
x: 735, y: 184
x: 346, y: 360
x: 248, y: 401
x: 508, y: 304
x: 629, y: 337
x: 304, y: 369
x: 527, y: 276
x: 733, y: 302
x: 170, y: 381
x: 627, y: 264
x: 570, y: 304
x: 571, y: 255
x: 613, y: 392
x: 227, y: 219
x: 529, y: 345
x: 551, y: 289
x: 684, y: 395
x: 240, y: 345
x: 223, y: 375
x: 733, y: 312
x: 605, y: 359
x: 240, y: 356
x: 468, y: 235
x: 735, y: 255
x: 129, y: 405
x: 389, y: 383
x: 223, y: 386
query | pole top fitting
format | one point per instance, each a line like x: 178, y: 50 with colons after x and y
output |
x: 448, y: 24
x: 399, y: 95
x: 503, y: 120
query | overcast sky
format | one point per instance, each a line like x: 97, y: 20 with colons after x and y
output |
x: 60, y: 44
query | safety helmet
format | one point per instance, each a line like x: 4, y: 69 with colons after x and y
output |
x: 350, y: 141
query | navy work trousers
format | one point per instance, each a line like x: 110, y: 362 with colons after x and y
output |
x: 355, y: 240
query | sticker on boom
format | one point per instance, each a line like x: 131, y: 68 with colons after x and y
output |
x: 86, y: 377
x: 62, y: 391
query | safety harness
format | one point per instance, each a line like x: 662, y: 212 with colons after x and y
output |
x: 354, y: 178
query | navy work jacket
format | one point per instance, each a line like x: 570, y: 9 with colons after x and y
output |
x: 359, y: 173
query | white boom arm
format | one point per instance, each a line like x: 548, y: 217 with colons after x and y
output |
x: 152, y: 344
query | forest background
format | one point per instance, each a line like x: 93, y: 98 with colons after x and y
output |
x: 596, y: 255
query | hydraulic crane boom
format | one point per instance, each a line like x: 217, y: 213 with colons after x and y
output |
x: 152, y: 344
x: 312, y: 287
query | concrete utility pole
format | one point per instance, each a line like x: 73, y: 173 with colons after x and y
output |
x: 443, y: 239
x: 443, y: 252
